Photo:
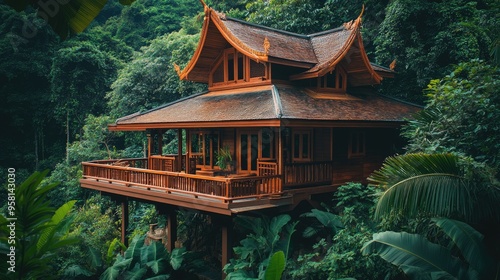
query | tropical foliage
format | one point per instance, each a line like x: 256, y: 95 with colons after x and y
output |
x: 462, y: 108
x: 40, y: 230
x: 465, y: 258
x: 266, y: 238
x: 59, y: 96
x: 141, y: 261
x: 437, y: 184
x: 337, y: 254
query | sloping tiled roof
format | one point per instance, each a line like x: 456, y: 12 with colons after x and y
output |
x: 317, y: 53
x: 370, y: 107
x: 210, y: 107
x: 284, y: 45
x: 280, y: 103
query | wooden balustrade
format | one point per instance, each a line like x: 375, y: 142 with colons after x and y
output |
x: 224, y: 188
x: 268, y: 181
x: 265, y: 168
x: 163, y: 163
x: 308, y: 173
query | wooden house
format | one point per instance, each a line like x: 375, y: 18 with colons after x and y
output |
x: 297, y: 113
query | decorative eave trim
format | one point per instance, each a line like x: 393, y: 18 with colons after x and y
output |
x: 277, y: 102
x: 375, y: 76
x: 214, y: 124
x: 183, y: 75
x: 354, y: 26
x: 236, y: 43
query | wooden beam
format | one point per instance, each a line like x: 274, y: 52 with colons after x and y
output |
x: 179, y: 150
x: 150, y: 146
x: 227, y: 241
x: 125, y: 216
x: 188, y: 150
x: 281, y: 158
x: 160, y: 142
x: 171, y: 230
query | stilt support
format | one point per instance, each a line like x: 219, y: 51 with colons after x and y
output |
x: 125, y: 216
x: 227, y: 241
x: 171, y: 230
x: 171, y: 225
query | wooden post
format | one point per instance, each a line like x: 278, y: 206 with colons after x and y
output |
x: 124, y: 204
x: 281, y: 159
x: 150, y: 146
x: 171, y: 230
x: 188, y: 151
x: 179, y: 150
x: 160, y: 142
x: 227, y: 241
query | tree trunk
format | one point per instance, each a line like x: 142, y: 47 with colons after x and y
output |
x: 67, y: 136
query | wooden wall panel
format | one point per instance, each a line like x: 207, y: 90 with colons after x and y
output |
x: 321, y: 144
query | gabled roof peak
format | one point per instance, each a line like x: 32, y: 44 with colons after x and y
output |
x: 316, y: 53
x: 263, y: 27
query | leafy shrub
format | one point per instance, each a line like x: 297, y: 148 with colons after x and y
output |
x: 141, y: 261
x: 267, y: 237
x: 341, y: 257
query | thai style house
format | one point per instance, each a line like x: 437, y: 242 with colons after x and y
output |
x: 287, y: 116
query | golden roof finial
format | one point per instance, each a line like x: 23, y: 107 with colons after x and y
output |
x: 362, y: 11
x: 205, y: 6
x: 392, y: 65
x: 353, y: 23
x: 177, y: 69
x: 267, y: 45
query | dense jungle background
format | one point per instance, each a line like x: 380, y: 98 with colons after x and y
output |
x: 57, y: 96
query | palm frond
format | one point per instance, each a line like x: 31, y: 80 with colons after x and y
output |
x: 415, y: 255
x: 438, y: 194
x: 470, y: 243
x: 401, y: 167
x: 427, y: 183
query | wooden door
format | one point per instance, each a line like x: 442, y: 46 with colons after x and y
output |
x: 248, y: 151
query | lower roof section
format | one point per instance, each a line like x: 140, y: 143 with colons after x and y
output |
x: 268, y: 106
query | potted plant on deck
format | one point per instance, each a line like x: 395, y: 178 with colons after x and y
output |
x: 224, y: 160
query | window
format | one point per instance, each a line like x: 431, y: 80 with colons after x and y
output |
x: 335, y: 80
x: 302, y: 145
x: 357, y: 144
x: 266, y: 144
x: 204, y: 147
x: 248, y: 148
x: 233, y: 67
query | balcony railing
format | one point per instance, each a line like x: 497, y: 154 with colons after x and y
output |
x: 302, y: 173
x: 133, y: 172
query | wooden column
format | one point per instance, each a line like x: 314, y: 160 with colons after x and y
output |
x: 281, y: 159
x: 124, y: 204
x: 150, y: 147
x: 179, y: 150
x: 171, y: 226
x: 188, y: 150
x: 160, y: 142
x: 227, y: 241
x: 171, y: 230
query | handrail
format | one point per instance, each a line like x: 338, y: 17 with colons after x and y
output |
x: 300, y: 173
x: 224, y: 188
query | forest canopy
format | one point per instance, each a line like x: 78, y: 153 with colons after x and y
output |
x: 62, y: 83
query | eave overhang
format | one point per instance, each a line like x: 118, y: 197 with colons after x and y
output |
x: 352, y: 49
x: 215, y: 19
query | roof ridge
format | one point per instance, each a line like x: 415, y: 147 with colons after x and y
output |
x: 303, y: 36
x: 277, y: 101
x: 400, y: 100
x: 324, y: 32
